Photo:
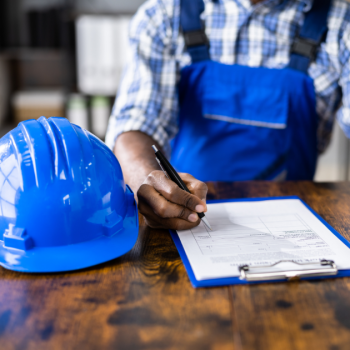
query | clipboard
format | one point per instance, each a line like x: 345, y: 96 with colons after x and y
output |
x: 260, y: 274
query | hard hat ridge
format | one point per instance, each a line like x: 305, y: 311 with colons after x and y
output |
x: 59, y: 159
x: 63, y: 199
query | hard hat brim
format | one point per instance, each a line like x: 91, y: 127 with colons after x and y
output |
x: 75, y: 256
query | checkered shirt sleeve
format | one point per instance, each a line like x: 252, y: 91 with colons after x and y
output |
x: 147, y: 98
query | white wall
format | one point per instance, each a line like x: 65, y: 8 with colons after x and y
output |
x: 115, y: 6
x: 103, y: 6
x: 334, y: 165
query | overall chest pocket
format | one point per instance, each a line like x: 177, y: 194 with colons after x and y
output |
x: 256, y: 97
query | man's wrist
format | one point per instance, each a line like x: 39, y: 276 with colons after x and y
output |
x: 136, y: 157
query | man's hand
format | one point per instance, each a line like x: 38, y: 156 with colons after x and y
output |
x: 165, y: 205
x: 160, y: 201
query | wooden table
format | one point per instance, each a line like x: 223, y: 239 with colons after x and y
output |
x: 144, y: 299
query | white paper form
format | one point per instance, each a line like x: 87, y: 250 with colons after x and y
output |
x: 259, y: 233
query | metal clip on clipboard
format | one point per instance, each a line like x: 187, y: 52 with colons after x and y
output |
x: 259, y: 273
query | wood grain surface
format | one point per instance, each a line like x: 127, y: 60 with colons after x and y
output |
x: 144, y: 299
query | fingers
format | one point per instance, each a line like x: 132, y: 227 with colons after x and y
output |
x: 165, y: 205
x: 155, y: 221
x: 150, y: 197
x: 159, y: 212
x: 198, y: 188
x: 173, y: 193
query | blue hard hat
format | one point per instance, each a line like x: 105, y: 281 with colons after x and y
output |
x: 63, y: 201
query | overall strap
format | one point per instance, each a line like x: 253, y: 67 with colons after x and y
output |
x: 312, y: 34
x: 196, y: 41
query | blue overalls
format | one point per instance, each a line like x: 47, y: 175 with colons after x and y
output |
x: 241, y: 123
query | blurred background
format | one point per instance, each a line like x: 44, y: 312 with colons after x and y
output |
x: 62, y: 58
x: 65, y: 58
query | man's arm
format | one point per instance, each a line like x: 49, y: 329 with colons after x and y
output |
x: 146, y: 110
x: 161, y: 201
x: 343, y: 114
x: 136, y: 157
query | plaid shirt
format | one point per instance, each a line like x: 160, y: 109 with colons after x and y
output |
x: 239, y: 33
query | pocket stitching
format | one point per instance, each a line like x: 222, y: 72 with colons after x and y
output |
x: 245, y: 121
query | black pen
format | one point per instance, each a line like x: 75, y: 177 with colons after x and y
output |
x: 171, y: 173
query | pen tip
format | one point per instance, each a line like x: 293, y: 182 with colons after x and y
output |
x: 155, y: 148
x: 206, y: 223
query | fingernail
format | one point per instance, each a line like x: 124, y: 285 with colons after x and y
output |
x: 199, y: 208
x: 193, y: 217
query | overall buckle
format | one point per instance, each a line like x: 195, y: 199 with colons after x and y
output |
x: 195, y: 38
x: 305, y: 47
